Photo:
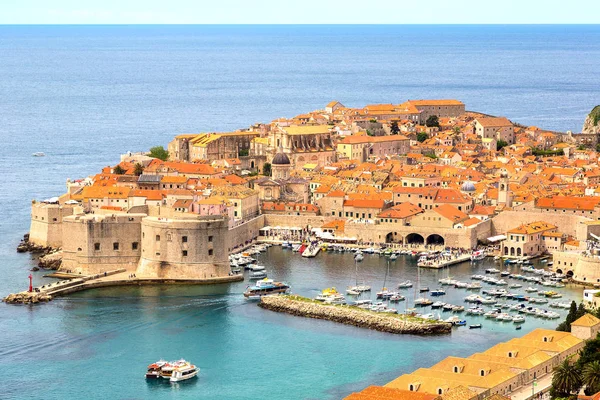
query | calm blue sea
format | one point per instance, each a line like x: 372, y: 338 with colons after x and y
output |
x: 85, y: 94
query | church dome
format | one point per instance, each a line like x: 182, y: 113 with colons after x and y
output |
x: 281, y: 159
x: 468, y: 186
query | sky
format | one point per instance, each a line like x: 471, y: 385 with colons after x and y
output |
x: 299, y: 12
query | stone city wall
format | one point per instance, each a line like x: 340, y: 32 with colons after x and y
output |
x: 570, y: 224
x: 46, y: 223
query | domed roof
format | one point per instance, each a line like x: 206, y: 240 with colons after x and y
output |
x: 281, y: 159
x: 468, y: 186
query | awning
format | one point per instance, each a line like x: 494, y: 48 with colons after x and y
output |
x: 496, y: 238
x: 309, y: 166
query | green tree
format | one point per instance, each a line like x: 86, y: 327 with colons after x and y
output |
x: 369, y: 133
x: 243, y: 152
x: 566, y: 379
x: 433, y: 120
x: 394, y: 128
x: 118, y: 170
x: 373, y: 121
x: 565, y: 326
x: 422, y: 136
x: 456, y: 130
x: 590, y: 352
x: 501, y: 144
x: 267, y: 169
x: 591, y: 377
x: 159, y: 152
x: 138, y: 169
x: 581, y: 147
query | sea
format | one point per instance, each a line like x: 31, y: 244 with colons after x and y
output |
x: 83, y: 95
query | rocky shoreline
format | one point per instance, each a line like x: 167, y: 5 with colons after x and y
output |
x: 391, y: 323
x: 27, y: 298
x: 50, y: 257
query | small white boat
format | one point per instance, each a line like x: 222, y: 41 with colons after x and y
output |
x: 352, y: 291
x: 184, y: 372
x: 257, y: 275
x: 38, y: 154
x: 405, y: 285
x: 359, y: 257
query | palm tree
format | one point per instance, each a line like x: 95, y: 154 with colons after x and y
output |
x: 138, y: 169
x: 591, y: 376
x: 567, y: 378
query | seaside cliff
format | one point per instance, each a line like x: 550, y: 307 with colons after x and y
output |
x: 355, y: 316
x: 591, y: 125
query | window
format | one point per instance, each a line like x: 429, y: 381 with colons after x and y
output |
x: 482, y: 372
x: 184, y: 239
x: 97, y: 246
x: 184, y: 253
x: 210, y: 252
x: 116, y: 246
x: 440, y: 391
x: 134, y: 246
x: 158, y: 238
x: 210, y: 238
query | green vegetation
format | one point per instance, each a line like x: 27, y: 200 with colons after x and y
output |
x: 581, y: 147
x: 595, y: 115
x: 373, y: 121
x: 267, y: 169
x: 431, y: 155
x: 500, y: 144
x: 540, y: 152
x: 566, y: 380
x: 118, y: 170
x: 456, y: 130
x: 574, y: 314
x: 369, y: 133
x: 394, y: 129
x: 422, y: 136
x: 159, y: 152
x: 138, y: 169
x: 433, y: 120
x: 242, y: 152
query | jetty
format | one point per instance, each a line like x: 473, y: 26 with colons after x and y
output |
x: 355, y: 316
x: 77, y: 283
x: 437, y: 264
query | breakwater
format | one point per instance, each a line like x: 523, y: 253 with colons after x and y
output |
x: 349, y: 315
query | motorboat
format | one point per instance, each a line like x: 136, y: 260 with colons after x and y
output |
x: 438, y: 292
x: 38, y: 154
x: 518, y: 319
x: 359, y: 257
x: 492, y: 271
x: 397, y: 298
x: 256, y: 267
x: 437, y: 304
x: 154, y: 369
x: 363, y: 303
x: 183, y: 371
x: 475, y: 326
x: 473, y: 286
x: 264, y: 287
x: 393, y: 257
x: 257, y: 275
x: 352, y: 291
x: 405, y: 285
x: 531, y: 289
x: 385, y: 293
x: 424, y: 289
x: 423, y: 302
x: 477, y: 255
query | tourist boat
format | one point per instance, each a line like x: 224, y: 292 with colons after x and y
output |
x: 38, y: 154
x: 475, y: 326
x: 183, y: 372
x: 154, y: 369
x: 438, y: 292
x: 477, y: 255
x: 257, y: 275
x: 405, y: 285
x: 264, y: 287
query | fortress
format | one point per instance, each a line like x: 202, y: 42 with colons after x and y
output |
x: 178, y: 246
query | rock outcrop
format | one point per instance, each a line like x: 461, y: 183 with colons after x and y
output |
x: 391, y: 323
x: 25, y: 246
x: 592, y: 122
x: 27, y: 298
x: 51, y: 261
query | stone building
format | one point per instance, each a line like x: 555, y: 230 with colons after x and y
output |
x: 495, y: 128
x: 364, y: 147
x: 528, y: 240
x: 210, y: 146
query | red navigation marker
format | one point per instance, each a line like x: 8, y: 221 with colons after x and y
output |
x: 30, y: 283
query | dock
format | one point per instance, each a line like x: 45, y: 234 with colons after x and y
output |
x: 444, y: 263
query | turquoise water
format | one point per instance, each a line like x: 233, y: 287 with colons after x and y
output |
x: 83, y: 95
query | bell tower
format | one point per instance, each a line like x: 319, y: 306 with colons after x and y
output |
x: 504, y: 193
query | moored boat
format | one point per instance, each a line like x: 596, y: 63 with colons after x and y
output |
x: 265, y: 287
x: 183, y: 370
x: 154, y: 369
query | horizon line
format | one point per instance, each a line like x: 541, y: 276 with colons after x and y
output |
x: 303, y: 24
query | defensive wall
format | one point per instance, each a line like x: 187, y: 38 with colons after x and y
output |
x: 46, y: 223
